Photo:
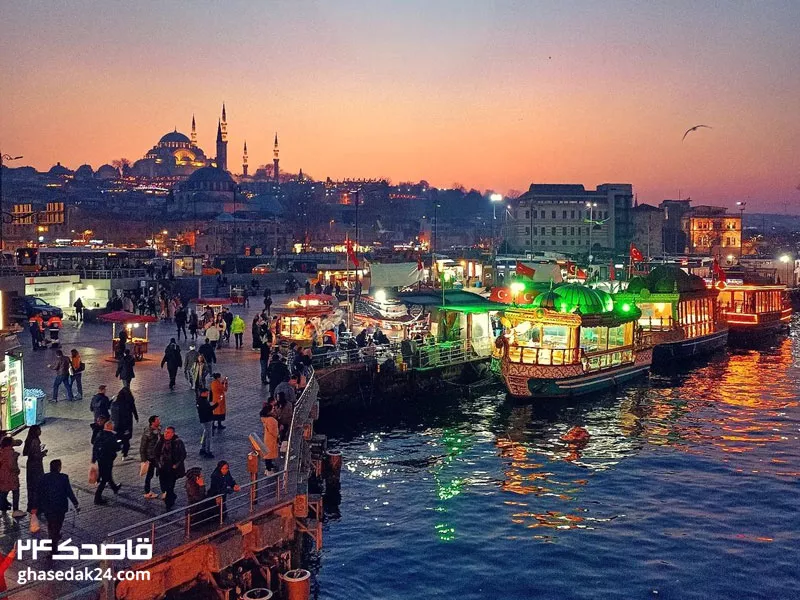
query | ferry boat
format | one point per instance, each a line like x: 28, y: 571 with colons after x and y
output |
x: 391, y: 316
x: 680, y: 315
x: 754, y: 309
x: 573, y: 340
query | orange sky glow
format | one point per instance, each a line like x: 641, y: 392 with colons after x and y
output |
x: 492, y: 95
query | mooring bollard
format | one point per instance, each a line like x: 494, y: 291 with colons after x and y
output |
x: 297, y: 583
x: 333, y: 465
x: 257, y: 594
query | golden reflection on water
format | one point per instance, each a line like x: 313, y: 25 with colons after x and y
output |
x: 731, y: 410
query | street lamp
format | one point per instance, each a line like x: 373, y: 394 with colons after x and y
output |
x: 591, y: 206
x: 785, y: 259
x: 494, y: 198
x: 2, y: 158
x: 516, y: 288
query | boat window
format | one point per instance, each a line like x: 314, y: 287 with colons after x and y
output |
x: 616, y: 336
x: 594, y: 339
x: 655, y: 315
x: 555, y: 336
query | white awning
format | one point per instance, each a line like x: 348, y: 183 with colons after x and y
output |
x: 393, y: 275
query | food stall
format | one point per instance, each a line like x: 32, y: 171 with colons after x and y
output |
x: 322, y: 311
x: 215, y: 304
x: 137, y: 328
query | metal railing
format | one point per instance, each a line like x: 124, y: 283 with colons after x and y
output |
x: 177, y: 527
x: 435, y: 354
x: 590, y: 361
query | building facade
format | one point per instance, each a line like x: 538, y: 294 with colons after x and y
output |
x: 648, y: 222
x: 571, y: 219
x: 711, y: 231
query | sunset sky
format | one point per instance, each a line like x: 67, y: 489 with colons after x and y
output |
x: 493, y: 95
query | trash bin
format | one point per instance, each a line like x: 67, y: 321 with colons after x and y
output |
x: 33, y: 405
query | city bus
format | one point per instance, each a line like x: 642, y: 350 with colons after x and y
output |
x: 75, y: 258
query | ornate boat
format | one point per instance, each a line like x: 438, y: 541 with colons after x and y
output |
x: 571, y: 341
x: 680, y: 315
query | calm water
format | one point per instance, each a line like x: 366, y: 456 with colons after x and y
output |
x: 688, y: 488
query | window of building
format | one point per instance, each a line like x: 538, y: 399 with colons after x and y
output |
x: 528, y: 230
x: 563, y: 231
x: 572, y: 214
x: 572, y: 231
x: 553, y: 214
x: 572, y: 242
x: 527, y: 242
x: 533, y: 214
x: 527, y: 214
x: 552, y: 231
x: 544, y: 230
x: 564, y: 215
x: 541, y: 214
x: 563, y: 242
x: 587, y: 231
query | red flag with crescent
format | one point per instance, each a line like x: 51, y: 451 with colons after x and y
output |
x: 351, y: 253
x: 636, y: 255
x: 524, y: 270
x: 718, y: 272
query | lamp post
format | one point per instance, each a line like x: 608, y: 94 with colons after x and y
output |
x: 2, y: 158
x: 433, y: 238
x: 494, y: 198
x: 785, y: 259
x: 591, y: 206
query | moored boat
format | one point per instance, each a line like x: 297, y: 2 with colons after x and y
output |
x: 680, y: 314
x: 571, y: 341
x: 754, y: 310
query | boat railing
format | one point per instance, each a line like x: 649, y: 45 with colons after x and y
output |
x: 556, y: 357
x: 657, y: 324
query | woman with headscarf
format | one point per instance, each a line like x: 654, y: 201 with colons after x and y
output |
x: 222, y: 482
x: 34, y: 471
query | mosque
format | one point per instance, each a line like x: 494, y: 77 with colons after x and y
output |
x: 176, y: 156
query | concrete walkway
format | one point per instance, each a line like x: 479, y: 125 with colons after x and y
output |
x: 67, y: 433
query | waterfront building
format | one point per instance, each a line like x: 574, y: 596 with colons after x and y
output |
x: 711, y: 231
x: 673, y: 235
x: 558, y: 217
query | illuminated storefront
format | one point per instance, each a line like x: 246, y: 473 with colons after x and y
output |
x: 12, y: 383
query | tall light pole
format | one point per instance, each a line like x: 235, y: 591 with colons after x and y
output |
x: 740, y: 207
x: 494, y: 198
x: 591, y: 206
x: 2, y: 158
x: 433, y: 237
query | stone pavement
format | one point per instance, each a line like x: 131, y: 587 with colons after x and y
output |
x: 67, y: 433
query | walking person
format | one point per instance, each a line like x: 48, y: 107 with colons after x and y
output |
x: 219, y: 391
x: 180, y: 322
x: 76, y: 369
x: 264, y: 360
x: 100, y: 404
x: 227, y: 318
x: 208, y: 353
x: 125, y: 368
x: 36, y: 333
x: 104, y: 451
x: 172, y: 358
x: 201, y: 373
x: 222, y: 482
x: 213, y: 334
x: 205, y: 412
x: 271, y: 437
x: 189, y: 365
x: 193, y: 324
x: 170, y: 455
x: 9, y: 477
x: 123, y: 412
x: 277, y: 372
x: 237, y: 329
x: 147, y: 452
x: 255, y: 332
x: 54, y: 493
x: 34, y: 471
x: 61, y: 367
x: 78, y: 305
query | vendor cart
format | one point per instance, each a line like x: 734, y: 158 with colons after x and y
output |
x: 136, y: 327
x: 215, y: 304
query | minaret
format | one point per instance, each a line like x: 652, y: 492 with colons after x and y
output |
x: 224, y: 124
x: 244, y: 160
x: 222, y: 149
x: 275, y: 168
x: 194, y: 134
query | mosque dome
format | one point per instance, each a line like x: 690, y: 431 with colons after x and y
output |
x: 59, y: 169
x: 210, y: 175
x: 174, y: 137
x: 107, y: 172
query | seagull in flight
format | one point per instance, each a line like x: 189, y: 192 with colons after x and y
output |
x: 695, y: 128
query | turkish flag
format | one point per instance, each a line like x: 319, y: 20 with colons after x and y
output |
x: 572, y: 269
x: 524, y: 270
x: 500, y: 294
x: 581, y: 274
x: 351, y: 254
x: 636, y: 255
x: 420, y: 265
x: 718, y: 272
x: 612, y: 275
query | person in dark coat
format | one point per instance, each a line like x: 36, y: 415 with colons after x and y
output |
x: 222, y: 482
x: 193, y: 324
x: 255, y: 330
x: 180, y: 321
x: 170, y: 454
x: 34, y: 468
x: 100, y: 404
x: 125, y: 368
x: 78, y: 304
x: 173, y: 360
x: 277, y: 372
x: 147, y: 451
x: 54, y: 493
x: 205, y: 412
x: 36, y: 334
x: 227, y: 316
x: 123, y: 412
x: 207, y: 350
x: 264, y: 361
x: 104, y: 452
x: 200, y: 507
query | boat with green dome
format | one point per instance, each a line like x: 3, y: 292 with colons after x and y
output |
x: 572, y: 340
